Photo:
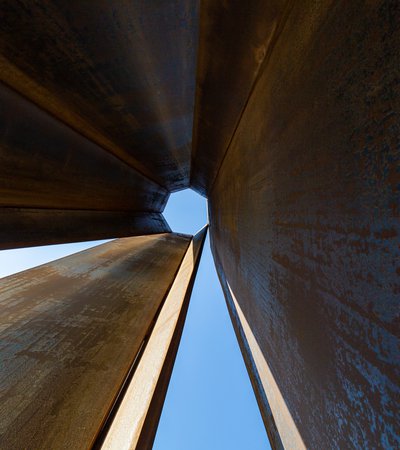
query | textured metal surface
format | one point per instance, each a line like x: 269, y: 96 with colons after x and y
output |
x: 135, y: 423
x: 281, y: 417
x: 305, y: 220
x: 45, y: 164
x: 31, y: 227
x: 235, y: 39
x: 122, y: 73
x: 69, y: 331
x: 257, y: 377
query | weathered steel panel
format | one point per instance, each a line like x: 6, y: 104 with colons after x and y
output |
x: 305, y: 220
x: 31, y: 227
x: 122, y: 73
x: 135, y: 423
x: 235, y: 38
x: 257, y: 379
x: 69, y: 331
x: 45, y: 164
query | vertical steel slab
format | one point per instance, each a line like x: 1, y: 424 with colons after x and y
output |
x: 304, y: 223
x: 69, y: 332
x: 27, y: 227
x: 57, y: 186
x: 135, y: 423
x: 235, y: 38
x: 121, y: 73
x: 46, y: 164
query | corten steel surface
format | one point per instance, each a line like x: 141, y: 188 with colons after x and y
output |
x: 235, y: 38
x: 45, y: 164
x: 305, y: 222
x: 122, y: 73
x: 57, y: 186
x: 135, y: 423
x: 69, y: 333
x: 24, y: 227
x: 257, y: 380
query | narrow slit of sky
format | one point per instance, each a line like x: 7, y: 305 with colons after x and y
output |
x: 16, y: 260
x: 210, y: 403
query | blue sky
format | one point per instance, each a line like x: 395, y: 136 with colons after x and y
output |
x: 210, y: 404
x: 12, y: 261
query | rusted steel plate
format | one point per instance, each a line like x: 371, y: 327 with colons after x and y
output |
x: 45, y: 164
x: 235, y: 39
x: 121, y: 73
x: 30, y: 227
x: 305, y: 221
x: 258, y: 379
x: 69, y: 331
x: 135, y: 423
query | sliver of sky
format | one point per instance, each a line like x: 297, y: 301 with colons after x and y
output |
x: 16, y: 260
x: 210, y: 404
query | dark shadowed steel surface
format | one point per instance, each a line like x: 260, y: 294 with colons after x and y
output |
x: 235, y: 39
x: 122, y: 73
x: 69, y: 331
x: 305, y: 221
x: 24, y: 227
x: 45, y: 164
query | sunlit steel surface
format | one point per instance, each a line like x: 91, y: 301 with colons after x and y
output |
x: 69, y: 331
x: 135, y: 422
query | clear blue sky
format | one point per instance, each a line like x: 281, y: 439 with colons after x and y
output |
x: 210, y: 404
